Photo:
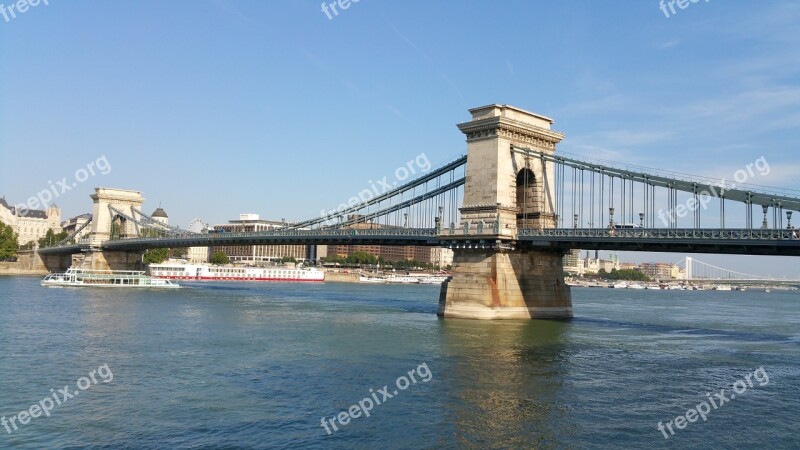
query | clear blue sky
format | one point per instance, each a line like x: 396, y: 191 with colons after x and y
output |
x: 217, y: 107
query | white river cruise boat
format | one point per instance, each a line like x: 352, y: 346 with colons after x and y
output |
x: 205, y: 272
x: 76, y: 277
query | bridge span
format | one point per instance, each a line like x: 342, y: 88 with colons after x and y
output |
x: 681, y: 240
x: 509, y: 209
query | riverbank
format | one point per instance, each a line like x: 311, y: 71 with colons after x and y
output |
x: 16, y: 269
x: 341, y: 277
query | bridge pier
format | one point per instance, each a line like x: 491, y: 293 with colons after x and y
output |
x: 110, y: 260
x: 55, y: 263
x: 33, y: 260
x: 506, y: 284
x: 493, y: 276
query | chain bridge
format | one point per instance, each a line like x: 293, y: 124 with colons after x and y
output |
x: 510, y: 208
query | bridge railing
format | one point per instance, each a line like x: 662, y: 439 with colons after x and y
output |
x: 409, y: 232
x: 665, y: 233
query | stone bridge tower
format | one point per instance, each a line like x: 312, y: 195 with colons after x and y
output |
x: 494, y: 275
x: 106, y: 225
x: 103, y: 221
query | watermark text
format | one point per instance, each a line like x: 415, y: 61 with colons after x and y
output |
x: 19, y: 7
x: 57, y: 398
x: 703, y: 409
x: 377, y: 398
x: 44, y: 198
x: 668, y: 6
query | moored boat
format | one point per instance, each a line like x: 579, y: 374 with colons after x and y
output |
x: 433, y: 279
x: 205, y: 272
x: 402, y: 279
x: 367, y: 279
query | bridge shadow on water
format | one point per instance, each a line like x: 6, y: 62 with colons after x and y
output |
x: 421, y: 299
x: 686, y: 331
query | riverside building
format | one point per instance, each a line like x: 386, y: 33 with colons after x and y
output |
x: 30, y: 225
x: 257, y: 254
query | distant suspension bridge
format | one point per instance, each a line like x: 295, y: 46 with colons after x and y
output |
x: 697, y: 270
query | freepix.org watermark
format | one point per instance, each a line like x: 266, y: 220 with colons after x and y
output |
x: 19, y: 7
x: 703, y: 409
x: 668, y: 6
x: 759, y: 167
x: 57, y: 398
x: 420, y: 164
x: 329, y: 8
x: 377, y: 398
x: 44, y: 198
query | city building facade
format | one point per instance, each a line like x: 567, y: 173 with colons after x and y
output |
x: 442, y: 257
x: 70, y: 226
x: 573, y: 264
x: 591, y: 266
x: 197, y: 255
x: 30, y: 225
x: 257, y: 254
x: 390, y: 253
x: 661, y: 271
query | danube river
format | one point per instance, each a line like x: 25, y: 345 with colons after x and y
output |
x: 260, y: 365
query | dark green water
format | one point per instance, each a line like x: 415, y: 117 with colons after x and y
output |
x: 259, y: 365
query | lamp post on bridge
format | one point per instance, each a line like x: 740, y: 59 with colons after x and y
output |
x: 764, y: 224
x: 788, y: 220
x: 611, y: 218
x: 575, y: 222
x: 641, y: 220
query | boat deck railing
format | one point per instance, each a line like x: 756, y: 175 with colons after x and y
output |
x: 80, y: 271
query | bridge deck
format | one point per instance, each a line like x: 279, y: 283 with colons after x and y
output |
x: 676, y: 240
x: 689, y: 240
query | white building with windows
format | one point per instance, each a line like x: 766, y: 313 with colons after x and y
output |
x: 30, y: 225
x: 257, y: 254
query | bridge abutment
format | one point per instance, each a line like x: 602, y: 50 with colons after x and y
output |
x: 33, y: 260
x: 506, y: 284
x: 110, y: 260
x: 494, y: 278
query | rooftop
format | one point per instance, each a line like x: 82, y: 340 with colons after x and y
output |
x: 159, y: 213
x: 32, y: 213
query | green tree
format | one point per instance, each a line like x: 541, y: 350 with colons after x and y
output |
x: 409, y: 264
x: 288, y: 259
x: 219, y: 258
x: 625, y: 274
x: 50, y: 239
x: 180, y: 252
x: 360, y: 258
x: 115, y: 229
x: 333, y: 259
x: 156, y: 255
x: 9, y: 242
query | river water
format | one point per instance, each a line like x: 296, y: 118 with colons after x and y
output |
x: 260, y: 365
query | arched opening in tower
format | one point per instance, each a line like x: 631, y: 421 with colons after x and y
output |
x: 529, y: 199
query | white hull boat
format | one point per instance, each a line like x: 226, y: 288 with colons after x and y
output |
x: 106, y: 279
